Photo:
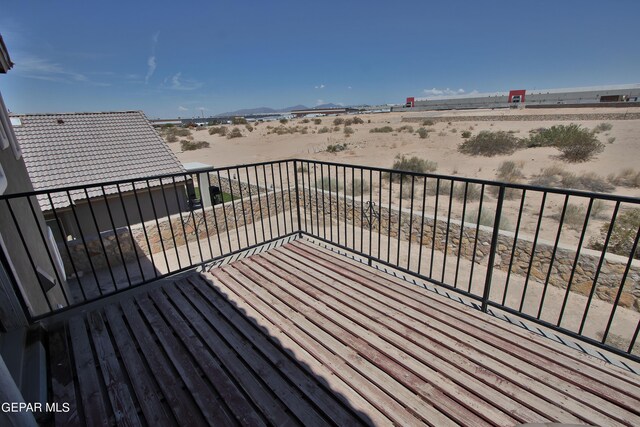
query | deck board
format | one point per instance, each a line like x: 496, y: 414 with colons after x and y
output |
x: 299, y: 335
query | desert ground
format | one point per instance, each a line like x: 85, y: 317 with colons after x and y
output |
x: 380, y: 149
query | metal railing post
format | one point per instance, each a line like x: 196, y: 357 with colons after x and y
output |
x: 492, y: 250
x: 295, y: 174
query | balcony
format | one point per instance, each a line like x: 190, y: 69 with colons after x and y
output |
x: 323, y: 293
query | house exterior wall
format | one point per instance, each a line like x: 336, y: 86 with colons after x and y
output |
x: 175, y: 199
x: 18, y: 263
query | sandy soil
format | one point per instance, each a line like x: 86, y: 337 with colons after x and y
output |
x: 379, y: 149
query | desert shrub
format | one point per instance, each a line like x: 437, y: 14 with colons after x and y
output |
x: 598, y: 208
x: 323, y: 129
x: 348, y: 122
x: 573, y: 216
x: 239, y: 121
x: 235, y: 133
x: 338, y: 121
x: 443, y: 188
x: 405, y: 128
x: 193, y: 145
x: 384, y: 129
x: 304, y: 130
x: 336, y: 128
x: 509, y: 171
x: 305, y: 120
x: 428, y: 122
x: 166, y: 126
x: 329, y: 184
x: 611, y: 140
x: 603, y: 127
x: 622, y: 236
x: 414, y: 164
x: 489, y: 144
x: 555, y: 176
x: 466, y: 134
x: 626, y: 178
x: 454, y: 130
x: 443, y: 133
x: 581, y: 151
x: 487, y: 218
x: 218, y: 130
x: 317, y: 121
x: 473, y: 191
x: 249, y: 127
x: 181, y: 131
x: 348, y: 130
x: 302, y: 169
x: 357, y: 187
x: 423, y: 133
x: 284, y: 121
x: 336, y: 148
x: 171, y: 138
x: 357, y: 121
x: 200, y: 128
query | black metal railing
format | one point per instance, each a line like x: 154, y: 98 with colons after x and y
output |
x: 566, y: 260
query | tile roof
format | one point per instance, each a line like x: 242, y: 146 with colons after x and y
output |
x: 67, y: 149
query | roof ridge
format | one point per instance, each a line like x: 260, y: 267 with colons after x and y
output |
x: 77, y: 113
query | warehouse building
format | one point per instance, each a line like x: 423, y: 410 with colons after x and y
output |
x: 612, y: 96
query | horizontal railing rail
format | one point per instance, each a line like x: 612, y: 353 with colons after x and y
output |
x: 564, y: 259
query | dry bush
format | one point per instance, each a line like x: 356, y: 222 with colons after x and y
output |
x: 222, y: 130
x: 623, y: 235
x: 317, y: 121
x: 336, y: 148
x: 573, y: 216
x: 428, y: 122
x: 384, y: 129
x: 284, y: 121
x: 555, y: 176
x: 489, y: 144
x: 235, y: 133
x: 348, y: 131
x: 338, y: 121
x: 249, y: 127
x: 423, y: 133
x: 405, y: 128
x: 171, y: 138
x: 487, y: 218
x: 443, y: 188
x: 466, y: 134
x: 329, y: 184
x: 193, y: 145
x: 473, y: 191
x: 239, y: 121
x: 357, y: 121
x: 626, y: 178
x: 603, y: 127
x: 324, y: 129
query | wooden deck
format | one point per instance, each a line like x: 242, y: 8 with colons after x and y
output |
x: 302, y: 336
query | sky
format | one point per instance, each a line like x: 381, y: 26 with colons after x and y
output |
x: 185, y: 58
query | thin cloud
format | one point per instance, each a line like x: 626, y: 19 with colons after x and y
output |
x: 441, y: 92
x: 319, y: 86
x: 177, y: 82
x: 319, y: 102
x: 151, y: 61
x: 349, y: 87
x: 181, y: 108
x: 34, y: 67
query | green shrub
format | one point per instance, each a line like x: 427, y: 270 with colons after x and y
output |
x: 284, y: 121
x: 428, y: 122
x: 423, y: 133
x: 581, y: 151
x: 324, y: 129
x: 338, y: 121
x: 239, y: 121
x: 603, y: 127
x: 222, y: 130
x: 384, y: 129
x: 623, y: 234
x: 336, y: 148
x: 577, y: 144
x: 235, y: 133
x: 465, y: 134
x: 489, y: 144
x: 317, y: 121
x: 193, y: 145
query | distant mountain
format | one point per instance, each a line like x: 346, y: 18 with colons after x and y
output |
x: 262, y: 110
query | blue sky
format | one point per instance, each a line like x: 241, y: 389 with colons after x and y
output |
x: 177, y: 58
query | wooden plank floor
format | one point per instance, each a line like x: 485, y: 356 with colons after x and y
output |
x: 302, y: 336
